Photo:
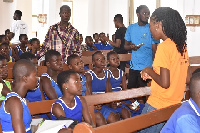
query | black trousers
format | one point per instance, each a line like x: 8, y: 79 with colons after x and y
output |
x: 135, y: 80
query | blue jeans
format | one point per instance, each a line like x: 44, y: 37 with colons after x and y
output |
x: 152, y: 129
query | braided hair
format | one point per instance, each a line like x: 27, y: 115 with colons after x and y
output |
x: 173, y: 26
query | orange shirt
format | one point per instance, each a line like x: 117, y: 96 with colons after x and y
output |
x: 167, y: 56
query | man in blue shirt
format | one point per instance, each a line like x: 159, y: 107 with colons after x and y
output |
x: 142, y: 55
x: 186, y: 119
x: 103, y: 45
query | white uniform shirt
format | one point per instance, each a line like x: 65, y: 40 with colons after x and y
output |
x: 18, y: 27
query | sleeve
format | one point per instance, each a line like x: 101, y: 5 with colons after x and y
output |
x: 187, y: 124
x: 76, y: 42
x: 128, y: 34
x: 118, y: 34
x: 162, y: 57
x: 12, y: 28
x: 46, y: 43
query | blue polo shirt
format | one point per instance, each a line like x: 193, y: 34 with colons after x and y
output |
x: 186, y: 119
x: 101, y: 46
x: 143, y: 57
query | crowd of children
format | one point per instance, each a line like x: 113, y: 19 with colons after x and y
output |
x: 69, y: 86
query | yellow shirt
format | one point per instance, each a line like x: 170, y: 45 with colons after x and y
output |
x: 167, y: 56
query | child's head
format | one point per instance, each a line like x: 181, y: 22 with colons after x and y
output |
x: 81, y: 38
x: 69, y: 81
x: 24, y: 72
x: 23, y: 38
x: 167, y: 22
x: 53, y: 60
x: 3, y: 67
x: 98, y: 59
x: 96, y: 37
x: 118, y: 19
x: 7, y: 32
x: 89, y: 41
x: 194, y: 87
x: 17, y: 15
x: 4, y: 38
x: 101, y: 38
x: 113, y: 59
x: 29, y: 56
x: 35, y: 43
x: 75, y: 63
x: 4, y: 49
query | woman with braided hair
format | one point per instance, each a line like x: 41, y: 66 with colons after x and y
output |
x: 170, y: 63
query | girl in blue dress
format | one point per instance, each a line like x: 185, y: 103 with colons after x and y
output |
x: 14, y: 113
x: 118, y: 78
x: 98, y: 81
x: 70, y: 105
x: 48, y: 81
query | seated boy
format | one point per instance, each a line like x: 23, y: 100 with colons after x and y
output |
x: 96, y: 38
x: 186, y: 119
x: 103, y: 45
x: 35, y: 46
x: 5, y: 51
x: 89, y: 44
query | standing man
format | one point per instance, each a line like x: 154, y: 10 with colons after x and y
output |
x: 62, y: 37
x: 119, y: 38
x: 139, y: 39
x: 18, y: 27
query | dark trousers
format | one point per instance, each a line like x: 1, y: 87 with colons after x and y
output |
x: 122, y: 65
x: 135, y: 80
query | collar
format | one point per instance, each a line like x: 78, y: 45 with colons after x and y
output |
x: 69, y: 25
x: 194, y: 106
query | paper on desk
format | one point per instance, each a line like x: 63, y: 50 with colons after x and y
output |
x: 53, y: 126
x: 36, y: 121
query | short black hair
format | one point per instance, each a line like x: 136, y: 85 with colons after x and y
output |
x: 63, y: 77
x: 21, y: 35
x: 95, y: 34
x: 139, y: 8
x: 102, y: 33
x: 50, y: 53
x: 28, y: 56
x: 194, y: 84
x: 7, y: 31
x: 110, y: 53
x: 1, y: 37
x: 22, y: 68
x: 118, y: 18
x: 18, y: 12
x: 173, y: 26
x: 87, y: 37
x: 4, y: 44
x: 70, y: 58
x: 33, y: 40
x: 64, y: 6
x: 97, y: 52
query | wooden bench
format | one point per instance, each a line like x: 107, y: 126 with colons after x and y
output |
x: 131, y: 124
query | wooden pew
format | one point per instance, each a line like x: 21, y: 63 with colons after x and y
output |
x: 131, y: 124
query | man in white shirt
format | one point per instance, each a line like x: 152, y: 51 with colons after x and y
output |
x: 18, y: 27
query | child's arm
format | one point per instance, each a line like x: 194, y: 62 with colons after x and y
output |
x: 88, y: 83
x: 86, y: 115
x: 14, y: 106
x: 57, y: 110
x: 47, y: 88
x: 163, y: 79
x: 124, y: 86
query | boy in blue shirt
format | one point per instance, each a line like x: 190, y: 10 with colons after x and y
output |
x: 103, y: 45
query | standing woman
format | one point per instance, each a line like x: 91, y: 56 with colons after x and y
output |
x: 170, y: 64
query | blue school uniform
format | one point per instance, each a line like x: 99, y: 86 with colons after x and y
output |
x: 115, y: 82
x: 83, y: 81
x: 73, y: 113
x: 34, y: 95
x: 54, y: 85
x: 20, y: 51
x: 98, y: 84
x: 6, y: 121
